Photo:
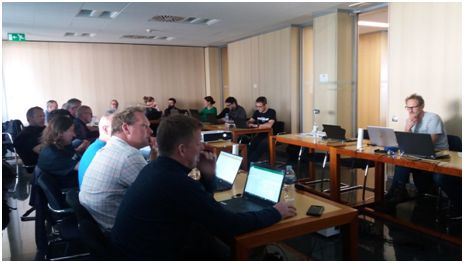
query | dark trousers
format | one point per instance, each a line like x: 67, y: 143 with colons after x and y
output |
x: 423, y: 180
x: 259, y: 146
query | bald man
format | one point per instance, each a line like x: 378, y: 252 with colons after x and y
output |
x: 104, y: 127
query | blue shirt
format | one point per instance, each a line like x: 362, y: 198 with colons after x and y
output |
x: 88, y: 157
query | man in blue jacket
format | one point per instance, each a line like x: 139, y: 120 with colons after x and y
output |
x: 167, y: 215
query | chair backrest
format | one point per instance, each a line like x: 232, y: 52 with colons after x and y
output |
x: 89, y: 229
x: 52, y: 191
x: 13, y: 127
x: 455, y: 143
x: 278, y: 127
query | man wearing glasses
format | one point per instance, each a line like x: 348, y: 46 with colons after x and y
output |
x: 263, y: 117
x: 419, y: 121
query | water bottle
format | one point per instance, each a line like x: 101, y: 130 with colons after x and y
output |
x: 226, y: 118
x: 289, y: 185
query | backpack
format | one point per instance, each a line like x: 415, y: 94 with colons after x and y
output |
x: 13, y: 127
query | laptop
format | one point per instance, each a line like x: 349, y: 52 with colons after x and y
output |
x: 211, y: 119
x: 227, y: 166
x: 382, y: 136
x: 336, y: 132
x: 241, y: 123
x: 418, y: 145
x: 262, y: 189
x: 195, y: 114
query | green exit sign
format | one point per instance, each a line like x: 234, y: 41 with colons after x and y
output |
x: 16, y: 37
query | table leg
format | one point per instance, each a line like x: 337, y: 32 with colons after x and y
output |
x: 334, y: 174
x: 379, y: 181
x: 350, y: 240
x: 272, y: 150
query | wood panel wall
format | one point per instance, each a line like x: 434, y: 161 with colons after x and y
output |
x: 214, y: 75
x: 425, y: 45
x: 371, y: 55
x: 308, y: 79
x: 267, y: 65
x: 35, y: 72
x: 333, y: 42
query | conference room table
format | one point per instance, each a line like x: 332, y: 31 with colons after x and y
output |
x: 237, y: 132
x: 451, y: 166
x: 334, y: 214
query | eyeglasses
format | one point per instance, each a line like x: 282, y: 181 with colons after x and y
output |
x: 411, y: 108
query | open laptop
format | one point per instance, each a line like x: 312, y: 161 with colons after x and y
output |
x: 241, y: 123
x: 418, y: 145
x: 262, y: 190
x: 336, y: 132
x: 227, y: 166
x: 212, y: 119
x: 382, y: 136
x: 195, y: 114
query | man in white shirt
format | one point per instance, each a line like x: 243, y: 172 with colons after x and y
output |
x: 116, y: 166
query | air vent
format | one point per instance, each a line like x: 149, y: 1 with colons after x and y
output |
x: 70, y: 34
x: 148, y: 37
x: 167, y: 18
x: 88, y: 13
x: 185, y: 20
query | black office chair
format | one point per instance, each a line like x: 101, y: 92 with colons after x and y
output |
x: 355, y: 163
x: 351, y: 163
x: 11, y: 156
x: 60, y: 216
x: 455, y: 143
x: 89, y: 229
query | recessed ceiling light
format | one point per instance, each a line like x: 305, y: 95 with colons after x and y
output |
x: 372, y: 24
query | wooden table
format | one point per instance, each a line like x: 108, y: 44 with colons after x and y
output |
x: 226, y: 146
x: 335, y: 214
x: 450, y: 166
x: 237, y: 132
x: 313, y: 144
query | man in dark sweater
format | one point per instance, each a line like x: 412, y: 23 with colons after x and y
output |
x: 168, y: 215
x: 27, y: 143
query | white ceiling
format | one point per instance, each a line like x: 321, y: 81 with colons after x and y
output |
x: 50, y: 21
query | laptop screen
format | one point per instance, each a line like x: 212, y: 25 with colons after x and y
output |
x: 382, y: 136
x: 227, y: 166
x: 264, y: 183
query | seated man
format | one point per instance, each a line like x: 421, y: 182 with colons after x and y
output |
x: 71, y: 106
x: 27, y: 143
x: 115, y: 167
x: 51, y: 106
x: 171, y: 109
x: 104, y: 127
x: 263, y: 117
x: 418, y: 121
x: 235, y: 111
x: 84, y: 117
x: 167, y: 215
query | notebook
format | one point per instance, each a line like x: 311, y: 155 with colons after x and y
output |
x: 336, y: 132
x: 418, y: 145
x: 195, y: 114
x: 382, y: 136
x: 227, y: 166
x: 262, y: 189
